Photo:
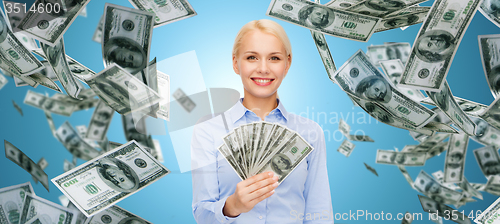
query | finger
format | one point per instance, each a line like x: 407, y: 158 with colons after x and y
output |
x: 262, y: 191
x: 261, y: 184
x: 257, y: 178
x: 262, y: 197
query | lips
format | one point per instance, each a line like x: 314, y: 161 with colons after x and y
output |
x: 262, y: 81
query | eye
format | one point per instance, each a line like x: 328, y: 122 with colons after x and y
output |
x: 377, y: 89
x: 429, y: 44
x: 251, y: 58
x: 131, y: 57
x: 274, y: 58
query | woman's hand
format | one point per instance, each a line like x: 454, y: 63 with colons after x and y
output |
x: 250, y: 192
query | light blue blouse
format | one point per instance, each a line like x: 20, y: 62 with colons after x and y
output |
x: 303, y: 197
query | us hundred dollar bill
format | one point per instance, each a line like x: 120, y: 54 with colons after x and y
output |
x: 102, y: 182
x: 490, y: 215
x: 404, y: 18
x: 344, y: 128
x: 489, y: 47
x: 164, y: 93
x: 184, y: 100
x: 470, y: 108
x: 346, y: 148
x: 437, y: 43
x: 393, y: 69
x: 99, y: 123
x: 382, y: 8
x: 74, y: 143
x: 359, y: 77
x: 389, y: 51
x: 331, y: 21
x: 430, y: 187
x: 115, y: 214
x: 97, y: 37
x: 401, y: 158
x: 490, y: 10
x: 432, y: 206
x: 50, y: 27
x: 454, y: 165
x: 3, y: 81
x: 166, y: 11
x: 324, y: 53
x: 11, y: 202
x: 15, y: 58
x: 342, y: 4
x: 492, y: 114
x: 488, y: 160
x: 35, y: 207
x: 47, y: 104
x: 122, y: 91
x: 18, y: 157
x: 126, y: 37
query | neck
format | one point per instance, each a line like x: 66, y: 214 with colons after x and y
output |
x: 260, y: 106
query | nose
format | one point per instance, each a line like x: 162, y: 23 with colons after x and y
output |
x: 263, y: 67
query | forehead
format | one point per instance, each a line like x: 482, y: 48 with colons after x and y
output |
x: 262, y: 41
x: 318, y: 9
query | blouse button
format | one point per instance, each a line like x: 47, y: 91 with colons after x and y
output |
x: 260, y: 217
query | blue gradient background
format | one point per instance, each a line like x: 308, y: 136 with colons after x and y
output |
x: 306, y: 91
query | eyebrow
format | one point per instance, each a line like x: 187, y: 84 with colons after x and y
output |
x: 253, y: 52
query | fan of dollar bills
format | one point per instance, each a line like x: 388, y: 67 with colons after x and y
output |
x: 262, y: 146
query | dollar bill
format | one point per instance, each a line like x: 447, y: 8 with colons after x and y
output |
x: 469, y: 188
x: 440, y: 127
x: 57, y: 59
x: 184, y: 100
x: 14, y: 57
x: 127, y: 37
x: 97, y: 37
x: 455, y: 158
x: 166, y: 11
x: 11, y: 202
x: 74, y: 143
x: 401, y: 158
x: 122, y: 91
x: 430, y: 187
x: 342, y: 4
x: 324, y: 53
x: 110, y: 178
x: 346, y: 148
x: 45, y: 81
x: 361, y: 138
x: 228, y: 155
x: 406, y: 175
x: 335, y: 22
x: 276, y: 142
x: 359, y: 77
x: 42, y: 163
x: 17, y: 107
x: 382, y: 8
x: 35, y: 207
x: 68, y: 165
x: 492, y: 114
x: 493, y: 185
x: 3, y: 81
x: 470, y: 108
x: 488, y: 160
x: 14, y: 18
x: 22, y: 160
x: 100, y: 121
x: 489, y: 46
x: 439, y: 176
x: 437, y: 150
x: 437, y: 43
x: 371, y: 169
x: 164, y: 92
x: 444, y: 100
x: 261, y: 137
x: 407, y: 218
x: 393, y: 69
x: 48, y: 104
x: 490, y: 214
x: 115, y: 214
x: 80, y: 217
x: 24, y: 81
x: 404, y: 18
x: 434, y: 207
x: 431, y: 142
x: 490, y: 10
x: 78, y: 70
x: 344, y: 128
x: 49, y: 28
x: 389, y: 51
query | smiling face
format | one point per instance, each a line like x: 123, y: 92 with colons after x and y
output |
x: 262, y: 63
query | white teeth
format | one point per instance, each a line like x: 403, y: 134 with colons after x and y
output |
x: 262, y: 80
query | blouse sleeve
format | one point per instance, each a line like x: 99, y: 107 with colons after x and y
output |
x: 207, y: 204
x: 317, y: 188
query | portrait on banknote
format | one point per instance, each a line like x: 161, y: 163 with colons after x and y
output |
x: 125, y: 52
x: 319, y: 40
x: 400, y: 21
x: 385, y: 5
x: 316, y: 17
x: 435, y: 45
x: 492, y: 8
x: 374, y: 88
x: 378, y: 113
x: 118, y: 175
x: 3, y: 29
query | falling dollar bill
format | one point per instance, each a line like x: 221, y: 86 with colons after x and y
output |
x: 74, y: 143
x: 404, y: 18
x: 49, y: 27
x: 3, y: 81
x: 99, y: 123
x: 470, y: 108
x: 342, y: 4
x: 382, y: 8
x: 455, y: 158
x: 184, y: 100
x: 393, y: 69
x: 115, y: 214
x: 469, y: 188
x: 164, y: 93
x: 359, y: 77
x: 371, y: 169
x: 17, y: 107
x: 430, y: 187
x: 68, y: 165
x: 346, y: 148
x: 492, y: 114
x: 331, y: 21
x: 166, y: 11
x: 401, y: 158
x: 437, y: 43
x: 490, y: 214
x: 122, y: 91
x: 437, y: 150
x: 434, y: 207
x: 406, y: 175
x: 11, y: 202
x: 126, y: 37
x: 389, y: 51
x: 444, y: 100
x: 324, y: 53
x: 491, y: 10
x: 78, y: 70
x: 47, y: 104
x: 488, y: 160
x: 102, y: 182
x: 35, y: 207
x: 97, y: 37
x: 22, y: 160
x: 489, y: 46
x: 41, y: 77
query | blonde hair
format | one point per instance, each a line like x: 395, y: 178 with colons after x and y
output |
x: 265, y: 26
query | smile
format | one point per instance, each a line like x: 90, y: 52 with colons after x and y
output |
x: 262, y: 82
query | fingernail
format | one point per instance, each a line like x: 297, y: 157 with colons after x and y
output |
x: 272, y: 192
x: 276, y: 178
x: 275, y: 185
x: 270, y: 173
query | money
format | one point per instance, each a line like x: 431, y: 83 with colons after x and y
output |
x: 42, y: 77
x: 35, y: 207
x: 164, y: 93
x: 97, y: 37
x: 122, y: 91
x: 382, y: 8
x: 78, y: 70
x: 57, y: 59
x: 127, y: 37
x: 393, y: 69
x: 485, y: 133
x: 490, y: 214
x: 436, y: 44
x: 407, y: 218
x: 49, y: 28
x: 469, y: 188
x: 14, y: 57
x: 492, y: 114
x: 11, y: 202
x: 406, y: 175
x: 454, y: 165
x: 331, y: 21
x: 342, y: 4
x: 18, y: 108
x: 470, y: 108
x: 184, y: 100
x: 439, y: 175
x: 437, y: 150
x: 493, y: 185
x: 488, y: 160
x: 430, y: 187
x: 430, y: 142
x: 401, y: 158
x: 371, y: 169
x: 68, y: 165
x: 115, y: 214
x: 47, y: 104
x: 110, y: 178
x: 22, y: 160
x: 3, y: 81
x: 74, y: 143
x: 324, y: 53
x: 166, y: 11
x: 99, y: 123
x: 346, y: 148
x: 389, y: 51
x: 345, y: 129
x: 24, y: 80
x: 444, y: 100
x: 489, y: 46
x: 359, y: 77
x: 404, y: 18
x: 14, y: 18
x: 489, y: 8
x: 435, y: 207
x: 42, y: 163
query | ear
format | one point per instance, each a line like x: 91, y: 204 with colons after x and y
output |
x: 235, y: 65
x: 289, y: 62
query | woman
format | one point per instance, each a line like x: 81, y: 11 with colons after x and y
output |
x: 261, y: 56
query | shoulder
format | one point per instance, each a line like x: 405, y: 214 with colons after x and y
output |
x: 307, y: 128
x: 302, y: 122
